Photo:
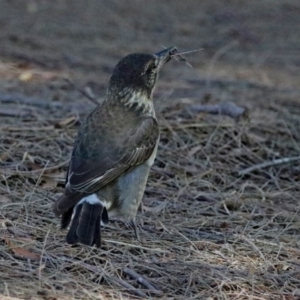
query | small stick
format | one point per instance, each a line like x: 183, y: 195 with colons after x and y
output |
x: 266, y: 164
x: 181, y: 56
x: 140, y: 279
x: 129, y: 287
x: 254, y: 247
x: 188, y: 52
x: 45, y: 169
x: 86, y: 94
x: 9, y: 112
x: 18, y: 98
x: 226, y: 109
x: 102, y: 271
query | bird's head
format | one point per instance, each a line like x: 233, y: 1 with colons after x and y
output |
x: 137, y: 73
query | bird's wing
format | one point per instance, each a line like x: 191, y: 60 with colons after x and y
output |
x: 97, y: 162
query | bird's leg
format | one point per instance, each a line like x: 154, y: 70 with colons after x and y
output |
x: 133, y: 225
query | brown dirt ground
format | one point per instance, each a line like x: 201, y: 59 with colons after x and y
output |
x: 206, y: 231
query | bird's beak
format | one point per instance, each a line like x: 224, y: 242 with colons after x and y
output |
x: 165, y: 55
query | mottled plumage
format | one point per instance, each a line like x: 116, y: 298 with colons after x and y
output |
x: 113, y: 152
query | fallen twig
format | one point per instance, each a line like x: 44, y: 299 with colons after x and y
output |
x: 130, y: 287
x: 100, y: 270
x: 86, y: 92
x: 266, y: 164
x: 18, y: 98
x: 140, y: 279
x: 9, y: 112
x: 43, y: 170
x: 137, y: 246
x: 227, y: 109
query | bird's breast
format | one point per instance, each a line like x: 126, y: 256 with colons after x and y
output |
x: 139, y: 102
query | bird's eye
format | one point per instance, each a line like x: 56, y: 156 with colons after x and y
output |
x: 150, y: 74
x: 151, y: 67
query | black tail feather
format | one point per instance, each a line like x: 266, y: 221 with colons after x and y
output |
x: 97, y: 236
x: 72, y: 237
x: 90, y: 215
x: 104, y: 218
x: 66, y: 218
x: 85, y: 226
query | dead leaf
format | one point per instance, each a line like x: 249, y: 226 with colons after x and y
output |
x: 22, y: 252
x: 26, y: 76
x: 26, y: 156
x: 4, y: 156
x: 34, y: 166
x: 17, y: 232
x: 256, y: 137
x: 67, y: 121
x: 285, y: 267
x: 194, y: 150
x: 4, y: 199
x: 41, y: 268
x: 26, y: 253
x: 48, y: 183
x: 155, y: 209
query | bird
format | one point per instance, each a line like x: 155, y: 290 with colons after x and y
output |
x: 113, y: 152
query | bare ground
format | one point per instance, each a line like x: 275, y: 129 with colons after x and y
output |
x: 209, y: 230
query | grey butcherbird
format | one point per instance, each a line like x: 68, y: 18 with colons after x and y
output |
x: 113, y: 152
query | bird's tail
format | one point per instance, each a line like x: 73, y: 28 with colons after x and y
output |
x: 85, y: 219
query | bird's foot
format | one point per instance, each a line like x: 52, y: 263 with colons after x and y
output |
x: 132, y: 225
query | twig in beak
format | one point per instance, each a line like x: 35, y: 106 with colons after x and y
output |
x: 181, y: 56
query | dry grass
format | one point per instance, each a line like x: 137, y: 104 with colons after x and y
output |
x: 206, y: 233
